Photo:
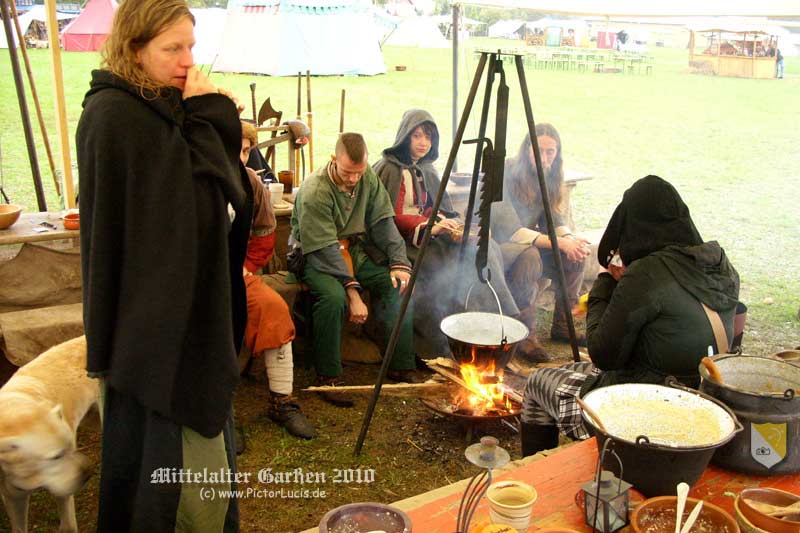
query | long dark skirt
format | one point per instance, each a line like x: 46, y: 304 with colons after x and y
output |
x: 143, y: 453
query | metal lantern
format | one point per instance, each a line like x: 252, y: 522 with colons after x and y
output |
x: 606, y: 498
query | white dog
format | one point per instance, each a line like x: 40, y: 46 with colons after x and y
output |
x: 42, y: 405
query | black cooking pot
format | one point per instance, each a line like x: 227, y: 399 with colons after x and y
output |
x: 656, y: 469
x: 481, y: 338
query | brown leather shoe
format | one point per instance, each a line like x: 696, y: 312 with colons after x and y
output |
x: 560, y: 333
x: 339, y: 399
x: 406, y: 376
x: 531, y: 351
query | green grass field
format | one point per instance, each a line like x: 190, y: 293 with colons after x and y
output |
x: 729, y: 145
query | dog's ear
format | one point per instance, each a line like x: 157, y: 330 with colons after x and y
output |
x: 8, y: 444
x: 57, y: 412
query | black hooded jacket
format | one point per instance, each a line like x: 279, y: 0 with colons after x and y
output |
x: 650, y: 324
x: 163, y: 295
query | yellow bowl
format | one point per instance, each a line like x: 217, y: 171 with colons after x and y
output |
x: 9, y: 213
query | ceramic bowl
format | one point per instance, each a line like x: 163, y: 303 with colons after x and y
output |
x: 367, y: 516
x: 72, y: 221
x: 746, y: 525
x: 762, y: 520
x: 657, y: 515
x: 9, y: 213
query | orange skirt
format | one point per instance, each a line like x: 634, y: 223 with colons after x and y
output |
x: 269, y: 323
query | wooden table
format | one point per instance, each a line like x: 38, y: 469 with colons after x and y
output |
x: 29, y: 229
x: 557, y: 478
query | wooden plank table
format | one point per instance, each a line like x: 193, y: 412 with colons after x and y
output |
x: 29, y: 229
x: 557, y: 478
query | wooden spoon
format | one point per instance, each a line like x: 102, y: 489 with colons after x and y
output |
x: 784, y: 511
x: 692, y: 517
x: 713, y: 369
x: 591, y: 413
x: 683, y: 492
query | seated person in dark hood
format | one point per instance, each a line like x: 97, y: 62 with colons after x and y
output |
x: 406, y: 170
x: 645, y: 319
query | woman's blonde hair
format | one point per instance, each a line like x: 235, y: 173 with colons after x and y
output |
x: 136, y: 23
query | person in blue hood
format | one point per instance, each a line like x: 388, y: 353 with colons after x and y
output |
x: 645, y: 318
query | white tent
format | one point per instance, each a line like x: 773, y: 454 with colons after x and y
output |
x: 284, y: 37
x: 37, y: 13
x: 417, y: 31
x: 507, y: 29
x: 209, y: 25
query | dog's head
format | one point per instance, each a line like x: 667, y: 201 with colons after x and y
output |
x: 37, y: 449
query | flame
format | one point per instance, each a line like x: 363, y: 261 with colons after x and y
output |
x: 486, y: 387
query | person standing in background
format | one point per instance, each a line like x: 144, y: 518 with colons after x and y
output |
x: 163, y: 294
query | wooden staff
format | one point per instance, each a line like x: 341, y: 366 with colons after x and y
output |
x: 253, y: 100
x: 294, y: 147
x: 35, y: 95
x: 341, y: 114
x: 310, y: 119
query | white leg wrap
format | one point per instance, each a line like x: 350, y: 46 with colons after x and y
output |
x: 279, y: 368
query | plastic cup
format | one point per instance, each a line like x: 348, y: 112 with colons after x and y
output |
x: 511, y: 502
x: 276, y: 193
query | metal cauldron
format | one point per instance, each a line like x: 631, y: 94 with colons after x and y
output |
x: 652, y: 468
x: 480, y: 338
x: 764, y: 392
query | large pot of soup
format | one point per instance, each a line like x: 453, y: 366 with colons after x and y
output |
x: 662, y: 434
x: 764, y: 392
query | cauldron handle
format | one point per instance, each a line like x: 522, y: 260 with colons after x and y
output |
x: 503, y: 340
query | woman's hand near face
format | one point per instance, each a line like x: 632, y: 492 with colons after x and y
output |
x: 197, y: 84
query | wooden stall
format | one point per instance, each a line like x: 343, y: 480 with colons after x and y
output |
x: 744, y: 52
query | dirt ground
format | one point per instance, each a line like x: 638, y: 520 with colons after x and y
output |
x: 408, y: 450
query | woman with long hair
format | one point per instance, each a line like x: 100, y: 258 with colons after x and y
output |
x: 163, y: 295
x: 520, y: 226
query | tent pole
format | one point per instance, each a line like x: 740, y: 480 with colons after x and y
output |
x: 62, y: 128
x: 310, y: 119
x: 454, y: 123
x: 23, y: 106
x: 35, y: 96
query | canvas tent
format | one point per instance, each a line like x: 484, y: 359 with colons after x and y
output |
x: 209, y: 25
x: 284, y: 37
x: 88, y: 32
x: 33, y: 15
x: 417, y: 31
x: 507, y: 29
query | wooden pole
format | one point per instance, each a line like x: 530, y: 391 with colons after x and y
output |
x: 341, y: 114
x: 310, y: 119
x: 295, y: 152
x: 62, y: 128
x: 35, y: 95
x: 23, y: 107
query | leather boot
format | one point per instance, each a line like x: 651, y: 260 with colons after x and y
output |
x: 529, y: 349
x: 559, y: 330
x: 536, y: 438
x: 284, y: 411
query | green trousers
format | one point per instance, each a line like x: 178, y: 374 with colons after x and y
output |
x: 331, y: 305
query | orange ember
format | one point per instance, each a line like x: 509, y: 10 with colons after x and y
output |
x: 486, y: 390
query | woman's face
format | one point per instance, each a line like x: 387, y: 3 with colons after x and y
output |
x: 244, y: 155
x: 168, y: 56
x: 420, y: 144
x: 548, y: 150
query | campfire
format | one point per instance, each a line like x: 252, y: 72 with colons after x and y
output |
x: 482, y: 392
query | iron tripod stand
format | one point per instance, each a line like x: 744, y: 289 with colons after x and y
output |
x: 492, y: 191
